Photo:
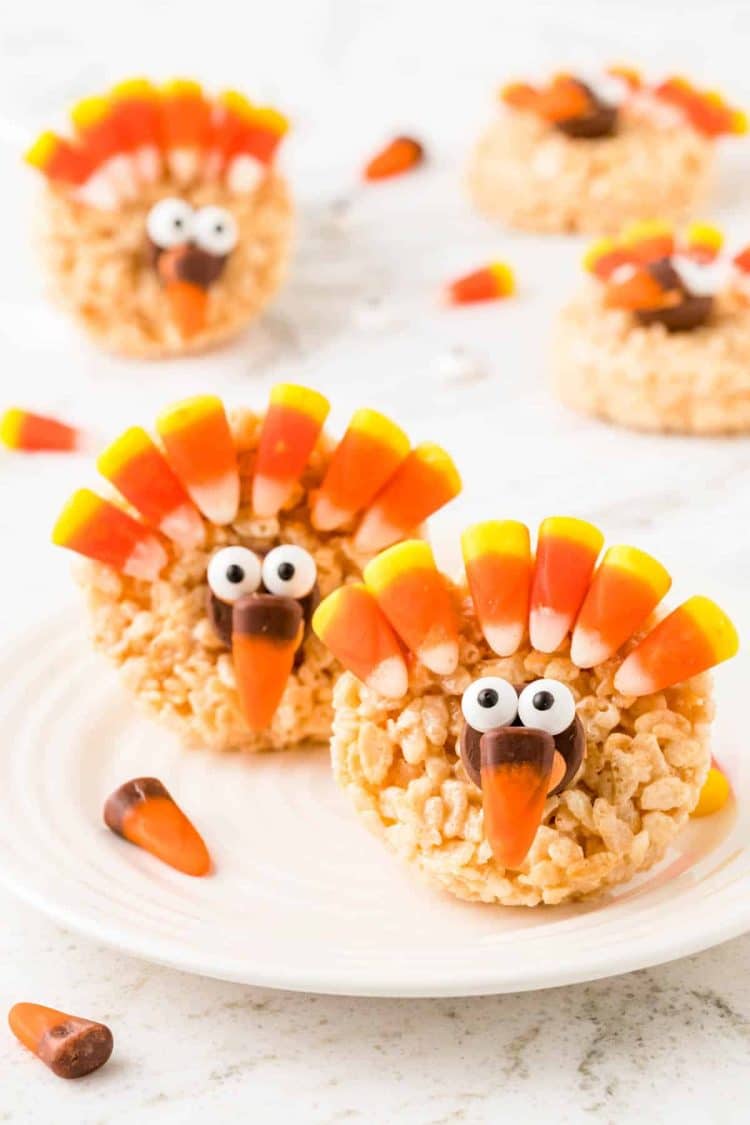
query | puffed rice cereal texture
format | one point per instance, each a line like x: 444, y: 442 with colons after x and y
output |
x: 645, y: 763
x: 99, y: 272
x: 535, y: 178
x: 159, y: 636
x: 698, y: 382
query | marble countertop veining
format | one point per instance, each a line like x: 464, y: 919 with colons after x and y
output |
x: 360, y: 319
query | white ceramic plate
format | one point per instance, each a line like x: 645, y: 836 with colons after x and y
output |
x: 302, y: 897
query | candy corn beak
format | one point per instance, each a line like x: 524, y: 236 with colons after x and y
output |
x: 518, y: 767
x: 266, y: 632
x: 186, y: 288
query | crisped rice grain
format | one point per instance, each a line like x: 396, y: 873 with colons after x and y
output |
x: 645, y: 763
x: 169, y: 657
x: 99, y: 270
x: 698, y: 382
x: 534, y: 177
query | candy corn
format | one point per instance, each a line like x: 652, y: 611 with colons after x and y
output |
x: 490, y: 283
x: 144, y: 813
x: 414, y: 597
x: 706, y: 110
x: 350, y: 623
x: 648, y: 240
x: 516, y: 772
x: 188, y: 302
x: 639, y: 290
x: 604, y: 257
x: 399, y: 156
x: 58, y: 159
x: 520, y: 95
x: 497, y: 557
x: 291, y: 427
x: 200, y: 449
x: 140, y: 472
x: 702, y: 242
x: 715, y: 793
x: 368, y: 455
x: 625, y: 589
x: 34, y: 433
x: 113, y: 175
x: 563, y: 99
x: 137, y: 112
x: 186, y: 121
x: 693, y: 638
x: 101, y: 531
x: 567, y: 550
x: 424, y: 481
x: 69, y: 1046
x: 266, y: 633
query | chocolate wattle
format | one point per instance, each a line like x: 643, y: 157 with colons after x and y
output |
x: 690, y: 313
x: 599, y: 121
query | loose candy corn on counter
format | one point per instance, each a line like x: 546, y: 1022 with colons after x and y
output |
x: 538, y: 732
x: 164, y: 227
x: 204, y: 572
x: 593, y: 152
x: 658, y: 338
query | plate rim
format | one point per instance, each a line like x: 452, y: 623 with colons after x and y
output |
x: 658, y: 947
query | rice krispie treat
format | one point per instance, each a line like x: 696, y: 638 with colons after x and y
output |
x: 536, y: 733
x: 164, y: 227
x: 594, y: 153
x: 659, y: 337
x: 203, y: 577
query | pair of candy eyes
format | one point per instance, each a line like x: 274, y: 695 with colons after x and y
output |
x: 491, y: 702
x: 287, y: 571
x: 172, y: 222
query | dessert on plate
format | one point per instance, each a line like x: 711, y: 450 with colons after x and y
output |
x: 538, y: 731
x: 164, y: 225
x: 596, y: 151
x: 659, y: 336
x: 203, y: 573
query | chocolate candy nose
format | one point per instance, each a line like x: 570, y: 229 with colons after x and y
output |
x: 516, y: 767
x: 267, y: 615
x: 191, y: 264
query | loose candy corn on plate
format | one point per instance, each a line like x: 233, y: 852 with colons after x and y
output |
x: 302, y: 898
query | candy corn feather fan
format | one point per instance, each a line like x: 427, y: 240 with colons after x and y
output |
x: 228, y: 535
x: 545, y: 713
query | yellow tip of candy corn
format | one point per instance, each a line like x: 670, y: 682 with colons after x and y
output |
x: 307, y: 401
x: 89, y: 111
x: 704, y: 234
x: 10, y: 427
x: 643, y: 565
x: 182, y: 88
x: 643, y: 229
x: 568, y: 527
x: 182, y: 414
x: 412, y: 554
x: 504, y: 277
x: 266, y: 117
x: 597, y: 251
x: 132, y: 88
x: 714, y: 794
x: 380, y: 428
x: 40, y: 152
x: 506, y: 537
x: 122, y: 450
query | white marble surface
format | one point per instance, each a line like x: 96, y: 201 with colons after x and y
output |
x: 670, y: 1043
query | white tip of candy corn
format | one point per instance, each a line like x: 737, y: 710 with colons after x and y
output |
x: 326, y: 516
x: 503, y: 639
x: 587, y: 649
x: 547, y: 629
x: 390, y: 678
x: 218, y: 500
x: 146, y: 560
x: 268, y: 496
x: 441, y: 658
x: 184, y: 526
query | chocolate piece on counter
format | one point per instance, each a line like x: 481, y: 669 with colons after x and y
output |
x: 267, y: 615
x: 71, y: 1047
x: 600, y: 121
x: 571, y: 743
x: 127, y: 796
x: 508, y: 746
x: 220, y: 616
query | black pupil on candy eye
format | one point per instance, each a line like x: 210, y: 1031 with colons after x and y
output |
x: 487, y: 697
x: 285, y: 571
x: 219, y: 228
x: 543, y: 700
x: 235, y: 573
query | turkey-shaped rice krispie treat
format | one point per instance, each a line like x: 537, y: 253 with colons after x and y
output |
x: 204, y: 577
x: 659, y: 337
x: 164, y: 226
x: 591, y: 153
x: 535, y: 733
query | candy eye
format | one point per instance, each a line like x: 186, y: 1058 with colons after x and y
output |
x: 547, y: 705
x: 170, y: 223
x: 488, y: 703
x: 234, y: 572
x: 289, y: 571
x: 215, y: 230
